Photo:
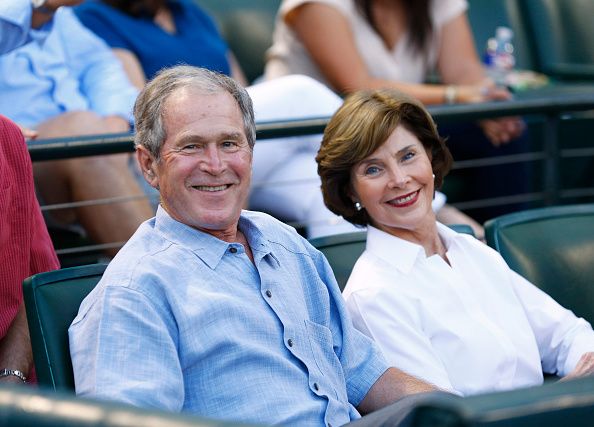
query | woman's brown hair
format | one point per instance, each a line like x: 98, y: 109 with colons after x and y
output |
x: 360, y: 126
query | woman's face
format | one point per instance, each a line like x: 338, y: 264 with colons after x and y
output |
x: 395, y: 184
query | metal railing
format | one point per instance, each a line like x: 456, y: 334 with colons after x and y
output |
x: 550, y: 105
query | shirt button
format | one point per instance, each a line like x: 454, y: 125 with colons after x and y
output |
x: 316, y: 387
x: 290, y: 342
x: 269, y: 294
x: 233, y: 250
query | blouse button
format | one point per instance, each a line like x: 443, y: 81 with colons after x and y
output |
x: 269, y: 294
x: 290, y: 342
x: 316, y: 387
x: 233, y: 250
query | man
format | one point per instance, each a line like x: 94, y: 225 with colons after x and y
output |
x: 212, y: 310
x: 25, y: 249
x: 59, y: 79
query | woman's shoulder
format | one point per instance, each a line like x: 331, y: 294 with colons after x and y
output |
x: 346, y: 7
x: 445, y: 10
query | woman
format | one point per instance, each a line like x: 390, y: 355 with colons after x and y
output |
x: 368, y: 44
x: 441, y: 305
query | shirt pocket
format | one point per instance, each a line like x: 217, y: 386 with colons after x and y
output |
x: 322, y: 348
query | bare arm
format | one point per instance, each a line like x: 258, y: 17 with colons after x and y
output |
x: 390, y: 387
x: 458, y: 62
x: 328, y: 37
x: 131, y: 66
x: 15, y: 348
x: 236, y: 72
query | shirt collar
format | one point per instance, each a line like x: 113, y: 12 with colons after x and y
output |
x: 401, y: 253
x: 207, y: 247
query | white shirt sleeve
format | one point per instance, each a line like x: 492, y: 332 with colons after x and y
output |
x: 562, y: 337
x: 393, y: 323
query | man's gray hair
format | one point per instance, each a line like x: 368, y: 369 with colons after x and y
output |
x: 149, y: 106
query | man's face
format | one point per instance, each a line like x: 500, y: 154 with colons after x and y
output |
x: 204, y: 171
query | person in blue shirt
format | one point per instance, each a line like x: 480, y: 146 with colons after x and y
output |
x: 59, y: 79
x: 218, y: 311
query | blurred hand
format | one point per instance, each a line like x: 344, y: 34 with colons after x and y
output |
x: 584, y: 368
x: 482, y: 92
x: 28, y: 133
x: 502, y: 130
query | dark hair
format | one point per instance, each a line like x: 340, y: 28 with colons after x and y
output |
x: 359, y: 127
x: 137, y: 8
x: 417, y: 15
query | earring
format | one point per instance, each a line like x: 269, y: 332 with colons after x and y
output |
x: 358, y: 206
x: 433, y: 176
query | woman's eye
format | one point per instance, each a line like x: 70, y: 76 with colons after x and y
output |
x: 372, y: 170
x: 409, y: 155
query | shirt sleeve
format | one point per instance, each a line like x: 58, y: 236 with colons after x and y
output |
x: 562, y: 337
x: 119, y: 344
x: 393, y: 322
x: 102, y: 78
x: 361, y: 360
x: 444, y: 11
x: 15, y: 25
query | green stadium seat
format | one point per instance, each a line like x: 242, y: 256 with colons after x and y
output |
x: 552, y: 247
x: 247, y: 26
x: 52, y: 300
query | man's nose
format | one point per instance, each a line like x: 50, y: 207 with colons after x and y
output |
x: 212, y: 162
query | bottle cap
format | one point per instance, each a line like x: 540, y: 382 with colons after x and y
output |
x: 504, y: 33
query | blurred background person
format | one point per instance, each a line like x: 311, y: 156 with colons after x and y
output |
x: 59, y: 80
x: 366, y: 44
x: 441, y: 305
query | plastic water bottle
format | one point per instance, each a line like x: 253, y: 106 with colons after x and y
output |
x: 499, y: 55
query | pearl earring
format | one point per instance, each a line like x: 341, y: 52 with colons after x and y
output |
x: 358, y: 206
x: 433, y: 176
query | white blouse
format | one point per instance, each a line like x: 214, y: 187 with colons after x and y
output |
x: 288, y: 55
x: 469, y: 327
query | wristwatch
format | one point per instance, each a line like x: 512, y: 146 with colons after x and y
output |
x: 39, y: 6
x: 14, y: 372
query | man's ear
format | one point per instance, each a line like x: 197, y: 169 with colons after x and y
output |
x: 147, y: 164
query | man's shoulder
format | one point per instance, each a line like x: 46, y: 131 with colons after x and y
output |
x: 146, y: 251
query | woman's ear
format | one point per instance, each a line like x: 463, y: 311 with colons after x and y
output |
x: 147, y: 164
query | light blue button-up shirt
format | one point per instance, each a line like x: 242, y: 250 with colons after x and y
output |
x: 186, y: 322
x: 59, y: 68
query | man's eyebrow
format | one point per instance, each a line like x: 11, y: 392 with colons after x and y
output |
x: 195, y: 138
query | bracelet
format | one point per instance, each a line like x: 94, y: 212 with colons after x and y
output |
x: 13, y: 372
x: 450, y: 94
